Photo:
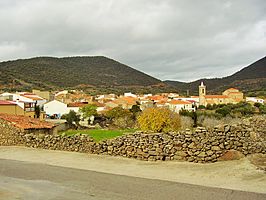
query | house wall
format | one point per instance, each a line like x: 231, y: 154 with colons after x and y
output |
x: 178, y: 107
x: 55, y: 107
x: 44, y: 94
x: 30, y: 114
x: 217, y: 101
x: 11, y: 109
x: 236, y: 97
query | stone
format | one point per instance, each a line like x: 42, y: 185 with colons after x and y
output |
x: 210, y: 152
x: 215, y: 148
x: 202, y: 154
x: 192, y: 145
x: 181, y: 153
x: 231, y: 155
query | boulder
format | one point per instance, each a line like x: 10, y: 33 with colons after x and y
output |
x: 231, y: 155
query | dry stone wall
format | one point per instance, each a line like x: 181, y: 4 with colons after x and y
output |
x: 10, y: 135
x: 199, y: 145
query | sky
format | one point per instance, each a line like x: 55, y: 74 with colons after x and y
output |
x: 181, y: 40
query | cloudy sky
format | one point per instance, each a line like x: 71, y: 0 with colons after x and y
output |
x: 170, y: 39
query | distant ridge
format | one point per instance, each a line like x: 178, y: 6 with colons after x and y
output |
x: 71, y: 72
x: 250, y: 78
x: 101, y: 74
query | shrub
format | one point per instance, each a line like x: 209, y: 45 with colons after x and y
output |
x: 186, y: 122
x: 210, y: 122
x: 201, y: 107
x: 89, y: 110
x: 224, y: 111
x: 159, y: 120
x: 124, y: 122
x: 118, y: 112
x: 72, y: 117
x: 121, y: 118
x: 244, y: 108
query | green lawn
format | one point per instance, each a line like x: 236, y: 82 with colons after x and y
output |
x: 99, y: 134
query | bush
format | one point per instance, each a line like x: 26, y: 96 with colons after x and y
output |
x: 261, y: 107
x: 201, y: 107
x: 89, y: 110
x: 72, y: 117
x: 224, y: 111
x: 210, y: 122
x: 186, y: 122
x: 121, y: 118
x: 118, y: 112
x: 159, y: 120
x: 124, y: 122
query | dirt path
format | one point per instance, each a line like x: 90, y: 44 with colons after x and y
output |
x: 236, y: 175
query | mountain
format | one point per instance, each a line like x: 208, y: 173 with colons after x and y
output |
x: 71, y: 72
x: 249, y: 79
x: 98, y: 74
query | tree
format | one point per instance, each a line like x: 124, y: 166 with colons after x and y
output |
x: 121, y: 118
x: 194, y: 117
x: 257, y: 104
x: 72, y: 117
x: 159, y: 120
x: 201, y: 107
x: 89, y: 110
x: 117, y: 112
x: 135, y: 110
x: 37, y: 111
x: 223, y: 111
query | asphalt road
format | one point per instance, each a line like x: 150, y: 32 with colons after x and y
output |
x: 30, y: 181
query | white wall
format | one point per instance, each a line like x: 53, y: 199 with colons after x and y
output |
x: 55, y: 107
x: 178, y: 107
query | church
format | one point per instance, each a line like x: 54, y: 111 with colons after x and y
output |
x: 230, y: 95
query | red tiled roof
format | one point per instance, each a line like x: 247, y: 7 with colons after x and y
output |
x: 2, y: 102
x: 192, y: 101
x: 179, y: 102
x: 232, y: 89
x: 33, y: 97
x: 235, y: 92
x: 98, y: 104
x: 77, y: 104
x: 216, y: 96
x: 156, y: 98
x: 24, y: 122
x: 126, y: 100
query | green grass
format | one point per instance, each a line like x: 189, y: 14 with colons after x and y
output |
x: 99, y: 134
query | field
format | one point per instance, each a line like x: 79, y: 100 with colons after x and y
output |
x: 99, y: 134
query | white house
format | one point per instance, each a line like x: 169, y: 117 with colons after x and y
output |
x: 177, y: 105
x: 24, y: 97
x: 55, y: 108
x: 255, y: 100
x: 129, y: 94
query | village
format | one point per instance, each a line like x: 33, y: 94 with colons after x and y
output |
x: 53, y: 105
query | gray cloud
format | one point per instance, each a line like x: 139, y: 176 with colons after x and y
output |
x: 171, y: 39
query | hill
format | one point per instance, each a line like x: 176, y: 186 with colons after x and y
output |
x: 249, y: 79
x: 71, y: 72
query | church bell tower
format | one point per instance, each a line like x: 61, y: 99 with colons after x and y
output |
x: 202, y: 93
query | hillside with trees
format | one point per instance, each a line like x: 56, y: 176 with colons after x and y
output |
x: 71, y: 72
x: 250, y: 79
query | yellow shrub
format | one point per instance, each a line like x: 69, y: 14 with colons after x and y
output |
x: 159, y: 120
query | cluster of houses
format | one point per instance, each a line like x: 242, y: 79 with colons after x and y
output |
x: 60, y: 103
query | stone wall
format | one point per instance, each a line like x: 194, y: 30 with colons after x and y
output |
x: 10, y: 135
x: 199, y: 145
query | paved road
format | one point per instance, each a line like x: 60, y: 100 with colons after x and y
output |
x: 30, y: 181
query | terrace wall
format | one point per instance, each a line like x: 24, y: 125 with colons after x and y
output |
x: 200, y: 145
